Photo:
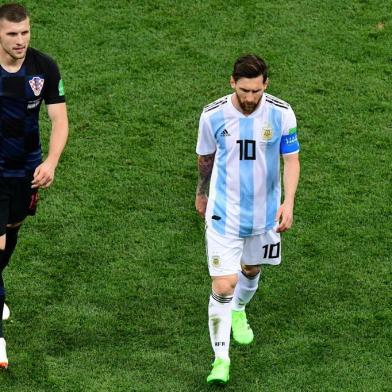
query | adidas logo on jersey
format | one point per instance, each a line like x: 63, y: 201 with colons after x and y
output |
x: 225, y: 133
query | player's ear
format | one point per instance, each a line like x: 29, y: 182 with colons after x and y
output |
x: 266, y: 83
x: 232, y: 82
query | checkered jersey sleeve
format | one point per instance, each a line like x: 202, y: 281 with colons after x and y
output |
x: 54, y: 89
x: 206, y: 143
x: 289, y: 142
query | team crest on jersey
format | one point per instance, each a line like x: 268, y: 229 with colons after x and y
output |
x: 215, y: 261
x: 266, y: 133
x: 36, y: 85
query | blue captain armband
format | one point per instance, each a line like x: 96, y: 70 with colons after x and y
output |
x: 289, y: 143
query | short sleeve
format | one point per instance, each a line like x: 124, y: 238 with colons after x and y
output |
x: 54, y: 91
x: 289, y: 142
x: 206, y: 143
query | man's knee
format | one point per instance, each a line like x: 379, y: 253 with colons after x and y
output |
x: 2, y: 242
x: 250, y: 270
x: 224, y: 285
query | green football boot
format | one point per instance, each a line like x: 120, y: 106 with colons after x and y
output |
x: 220, y: 372
x: 242, y: 332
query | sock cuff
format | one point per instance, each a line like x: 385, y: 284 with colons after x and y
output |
x: 13, y: 229
x: 220, y: 298
x: 257, y: 276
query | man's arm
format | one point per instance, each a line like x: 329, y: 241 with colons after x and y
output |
x: 205, y: 164
x: 290, y: 181
x: 44, y: 173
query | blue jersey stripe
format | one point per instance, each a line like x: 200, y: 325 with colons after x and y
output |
x: 246, y: 177
x: 273, y: 177
x: 218, y: 125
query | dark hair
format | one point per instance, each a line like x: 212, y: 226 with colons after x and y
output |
x: 250, y: 66
x: 13, y: 12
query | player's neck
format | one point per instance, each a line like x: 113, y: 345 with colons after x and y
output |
x: 9, y: 63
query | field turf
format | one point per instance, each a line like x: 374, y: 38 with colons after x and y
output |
x: 108, y: 287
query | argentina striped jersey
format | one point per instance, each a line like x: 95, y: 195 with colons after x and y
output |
x: 245, y: 185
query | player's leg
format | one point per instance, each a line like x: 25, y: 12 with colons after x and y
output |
x: 11, y: 238
x: 219, y: 309
x: 19, y: 200
x: 20, y: 197
x: 223, y: 262
x: 3, y: 221
x: 260, y: 249
x: 3, y: 351
x: 219, y: 324
x: 248, y: 282
x: 22, y: 202
x: 2, y: 290
x: 7, y: 247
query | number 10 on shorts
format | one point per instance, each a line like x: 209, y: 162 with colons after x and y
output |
x: 271, y: 251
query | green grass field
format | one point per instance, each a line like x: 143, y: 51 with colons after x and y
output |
x: 108, y: 288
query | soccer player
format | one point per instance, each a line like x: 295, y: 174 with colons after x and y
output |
x: 240, y: 141
x: 27, y: 77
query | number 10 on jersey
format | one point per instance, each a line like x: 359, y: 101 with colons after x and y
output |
x: 247, y: 149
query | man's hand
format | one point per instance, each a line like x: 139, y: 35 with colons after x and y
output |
x: 43, y: 175
x: 201, y: 205
x: 284, y: 216
x: 290, y: 178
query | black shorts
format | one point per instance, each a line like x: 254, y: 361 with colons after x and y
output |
x: 17, y: 200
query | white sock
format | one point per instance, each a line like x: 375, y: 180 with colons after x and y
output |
x: 245, y: 290
x: 219, y: 323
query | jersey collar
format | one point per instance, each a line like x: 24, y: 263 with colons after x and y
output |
x: 255, y: 113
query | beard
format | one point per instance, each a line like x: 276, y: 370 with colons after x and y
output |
x: 16, y: 55
x: 247, y: 107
